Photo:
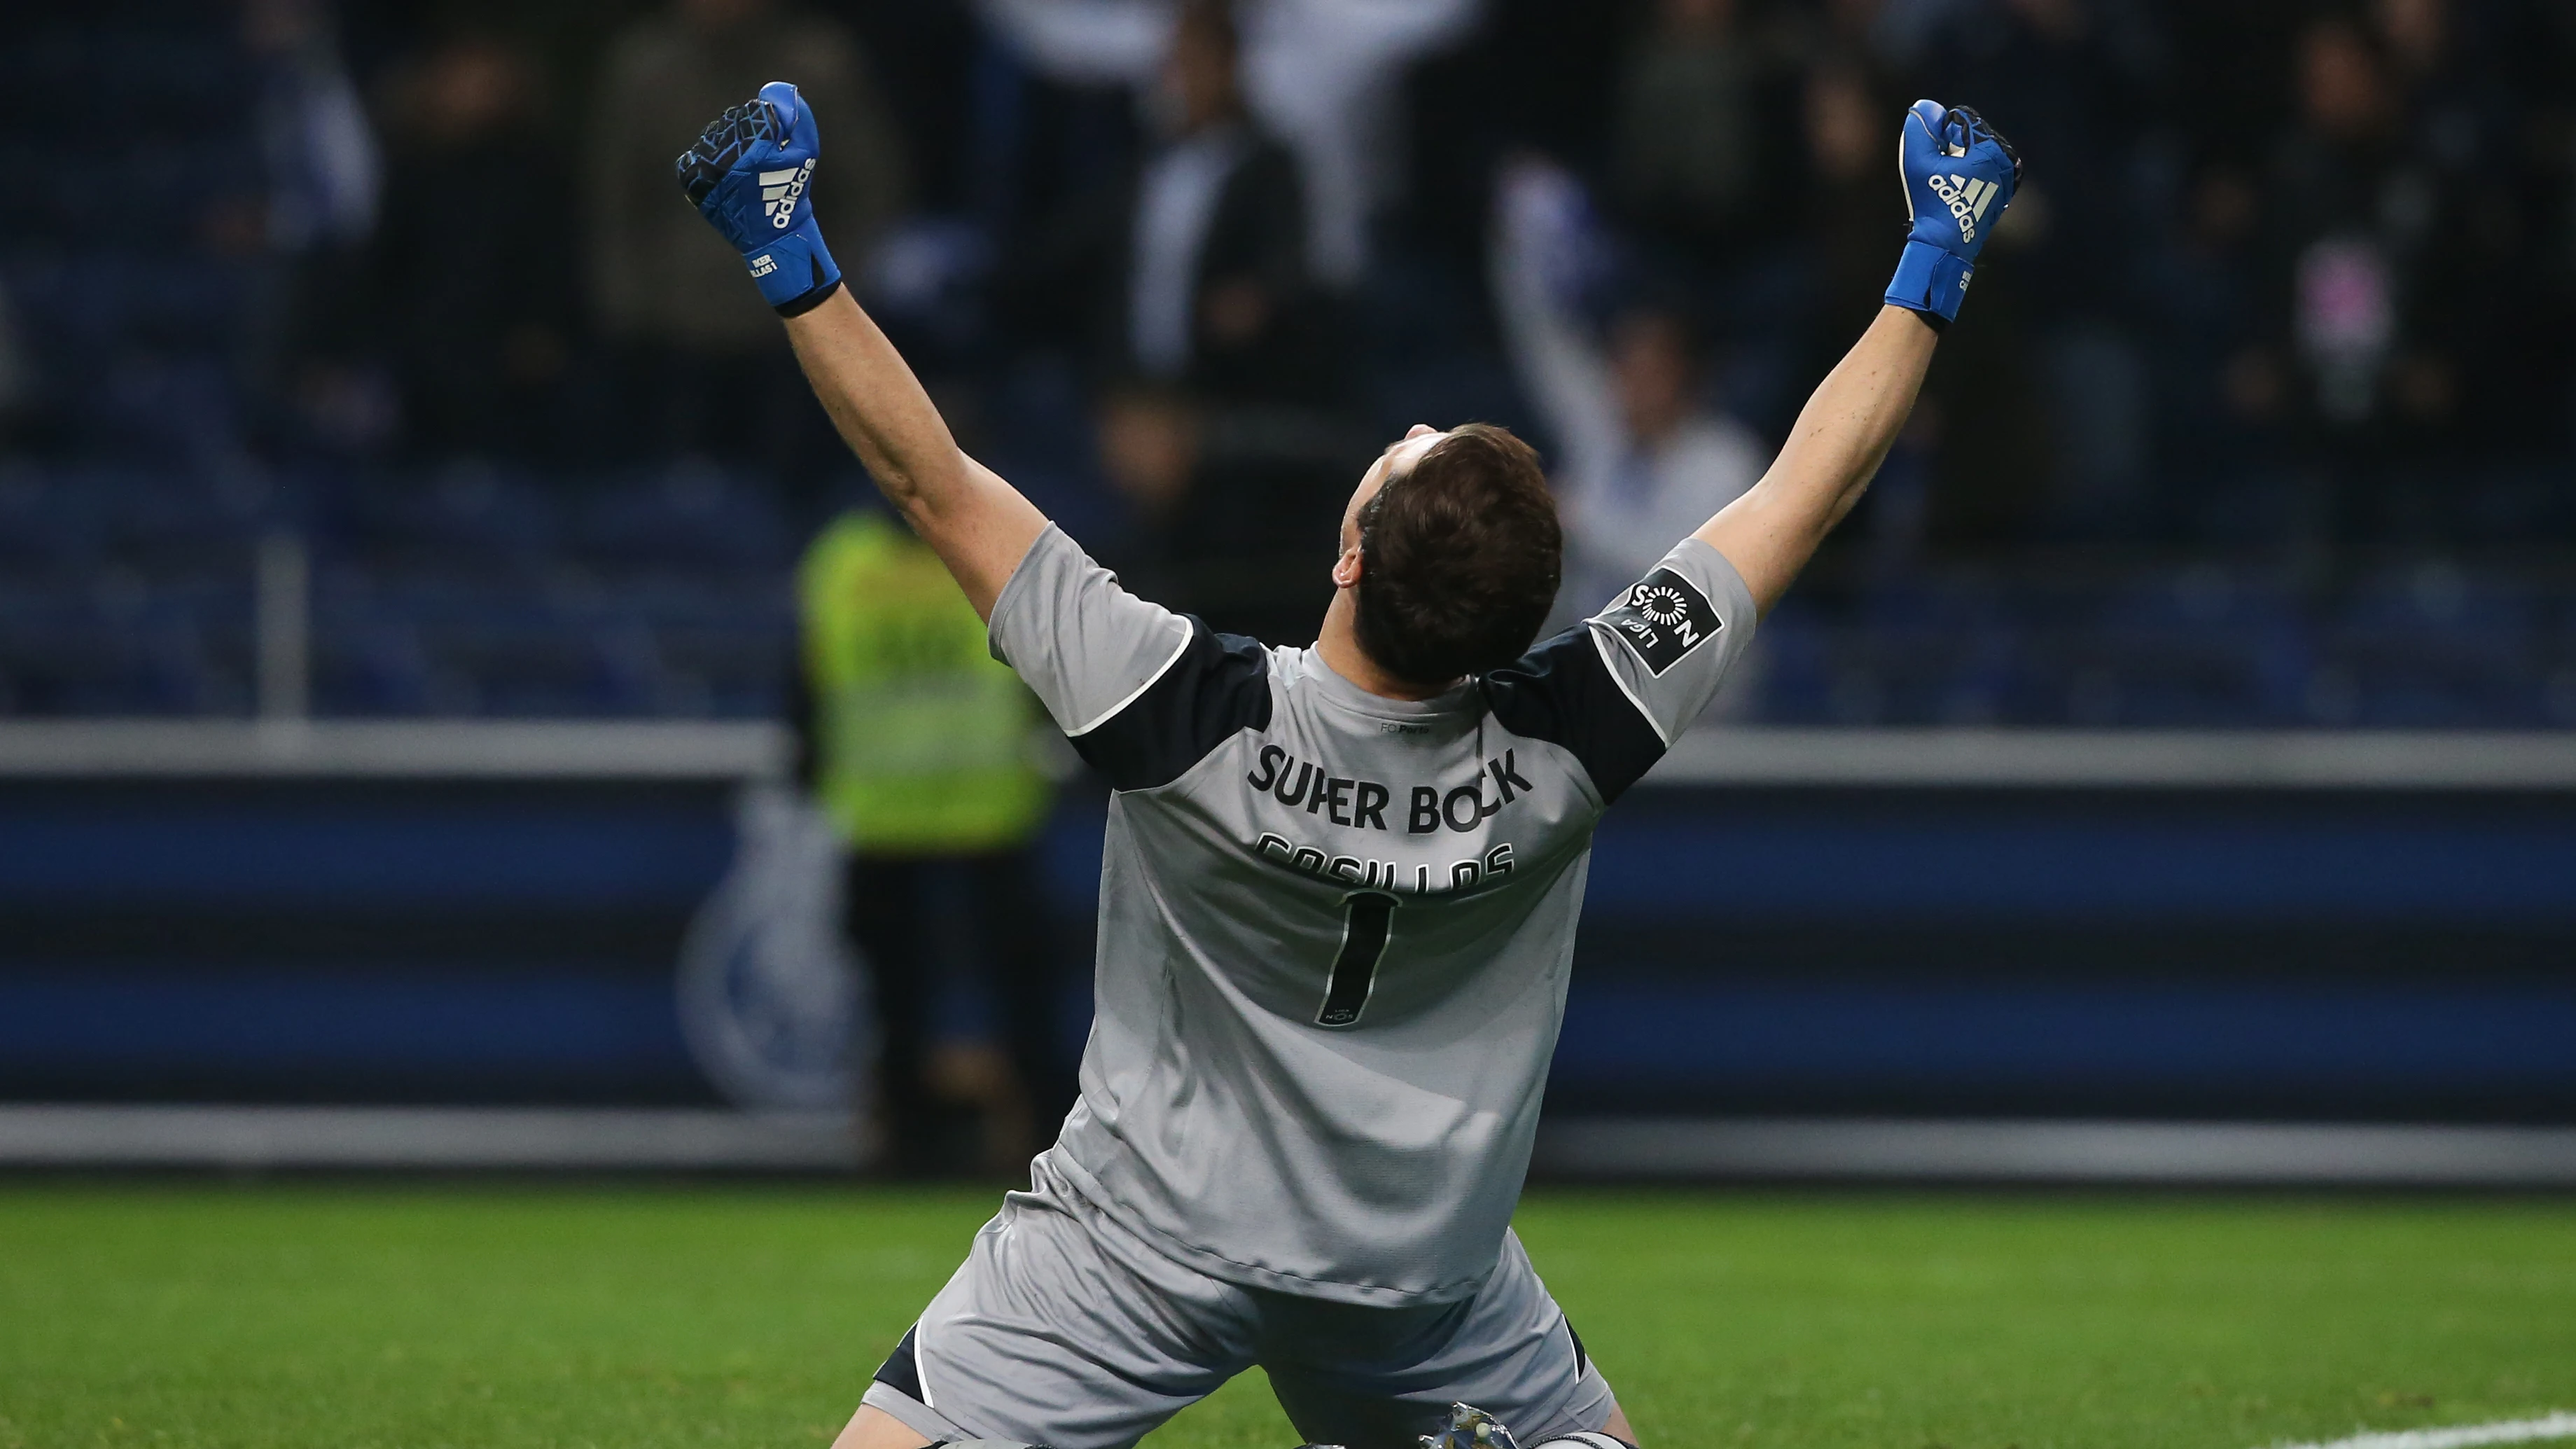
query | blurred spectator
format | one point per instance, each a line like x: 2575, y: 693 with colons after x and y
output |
x: 2445, y: 101
x: 2471, y: 126
x: 1853, y: 228
x: 1855, y: 219
x: 2279, y: 275
x: 1695, y: 140
x: 1984, y: 416
x: 324, y: 171
x: 1323, y: 74
x: 324, y: 178
x: 2368, y: 306
x: 1195, y: 261
x: 1703, y: 165
x: 1149, y: 448
x: 2069, y: 80
x: 1214, y: 349
x: 1856, y: 32
x: 1215, y: 256
x: 916, y: 743
x: 2218, y: 390
x: 708, y: 369
x: 1641, y: 459
x: 1320, y: 74
x: 17, y: 375
x: 476, y: 337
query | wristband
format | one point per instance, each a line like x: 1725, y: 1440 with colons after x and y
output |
x: 796, y: 271
x: 1930, y: 280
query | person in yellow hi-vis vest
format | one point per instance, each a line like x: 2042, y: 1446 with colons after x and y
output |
x: 916, y: 743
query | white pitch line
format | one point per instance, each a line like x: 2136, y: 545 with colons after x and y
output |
x: 2511, y: 1431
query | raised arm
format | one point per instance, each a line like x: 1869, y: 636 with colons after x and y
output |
x: 979, y: 525
x: 1842, y: 435
x: 748, y: 176
x: 1959, y: 176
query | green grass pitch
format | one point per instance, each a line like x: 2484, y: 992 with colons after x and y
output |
x: 495, y: 1317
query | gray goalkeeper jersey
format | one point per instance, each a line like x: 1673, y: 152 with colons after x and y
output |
x: 1335, y: 928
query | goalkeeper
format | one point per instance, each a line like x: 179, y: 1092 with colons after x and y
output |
x: 1339, y: 887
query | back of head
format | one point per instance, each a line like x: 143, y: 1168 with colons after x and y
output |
x: 1459, y: 559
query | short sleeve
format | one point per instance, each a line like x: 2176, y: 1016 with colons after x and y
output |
x: 1618, y: 689
x: 1670, y: 639
x: 1143, y: 693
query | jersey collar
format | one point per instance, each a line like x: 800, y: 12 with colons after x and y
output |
x: 1329, y: 684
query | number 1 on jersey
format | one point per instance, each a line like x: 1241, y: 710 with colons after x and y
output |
x: 1368, y: 918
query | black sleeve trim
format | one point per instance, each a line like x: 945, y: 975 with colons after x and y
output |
x: 902, y: 1369
x: 1561, y: 692
x: 1216, y: 687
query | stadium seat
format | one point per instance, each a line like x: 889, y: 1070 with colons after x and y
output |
x: 2431, y: 647
x: 2202, y: 648
x: 689, y: 515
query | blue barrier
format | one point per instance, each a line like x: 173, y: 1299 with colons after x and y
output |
x: 2236, y: 863
x: 363, y: 848
x: 2235, y: 953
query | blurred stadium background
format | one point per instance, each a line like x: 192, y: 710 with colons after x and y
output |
x: 2167, y: 775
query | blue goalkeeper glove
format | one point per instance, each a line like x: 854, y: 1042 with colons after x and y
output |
x: 1959, y: 176
x: 747, y: 176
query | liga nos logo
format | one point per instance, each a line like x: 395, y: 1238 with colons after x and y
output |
x: 1663, y: 617
x: 1966, y: 196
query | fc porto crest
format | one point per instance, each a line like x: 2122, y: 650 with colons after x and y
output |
x: 768, y: 992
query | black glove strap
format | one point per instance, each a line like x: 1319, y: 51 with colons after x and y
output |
x: 810, y: 300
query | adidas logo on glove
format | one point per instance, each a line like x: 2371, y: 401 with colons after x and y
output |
x: 748, y: 176
x: 779, y: 191
x: 1967, y: 197
x: 1932, y: 275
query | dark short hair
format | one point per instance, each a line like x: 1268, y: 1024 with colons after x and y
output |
x: 1459, y: 558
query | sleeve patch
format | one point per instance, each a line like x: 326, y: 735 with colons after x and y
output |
x: 1661, y: 618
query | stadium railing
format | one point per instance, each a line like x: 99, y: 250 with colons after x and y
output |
x: 1972, y: 954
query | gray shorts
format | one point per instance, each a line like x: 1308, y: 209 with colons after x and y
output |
x: 1063, y: 1329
